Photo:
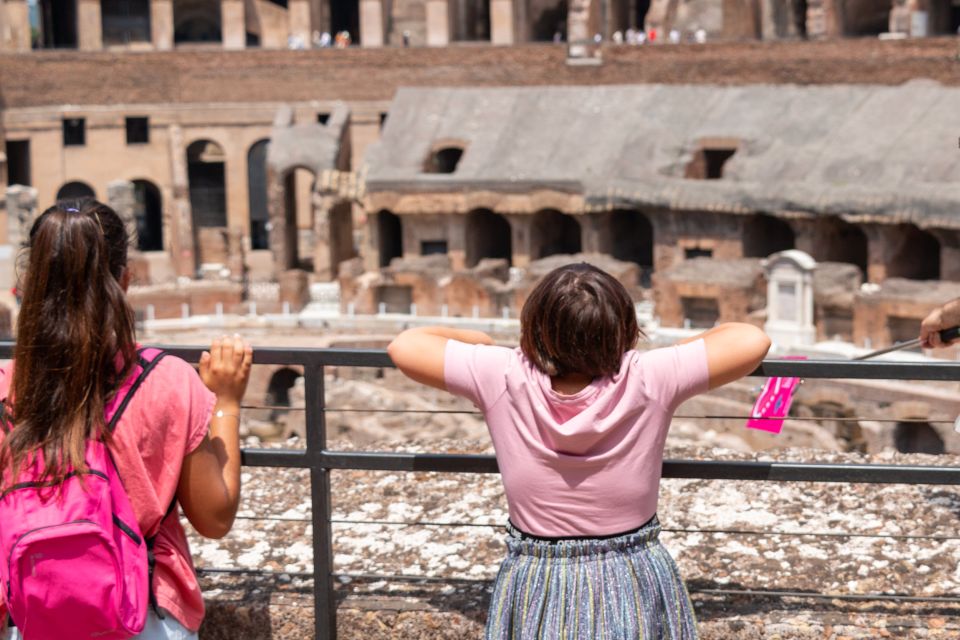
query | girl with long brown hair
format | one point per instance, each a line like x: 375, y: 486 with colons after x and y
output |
x: 177, y: 442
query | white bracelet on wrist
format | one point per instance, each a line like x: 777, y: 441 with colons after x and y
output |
x: 220, y: 414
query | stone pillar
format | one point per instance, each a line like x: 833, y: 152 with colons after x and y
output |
x: 520, y: 238
x: 372, y: 32
x: 283, y: 232
x: 583, y: 23
x: 294, y: 288
x: 182, y: 240
x: 790, y: 298
x: 89, y: 25
x: 457, y: 242
x: 298, y: 15
x: 18, y: 25
x: 879, y: 247
x: 236, y: 254
x: 501, y: 22
x: 122, y: 199
x: 593, y: 233
x: 21, y: 211
x: 321, y: 238
x: 438, y: 23
x: 161, y: 24
x: 234, y: 23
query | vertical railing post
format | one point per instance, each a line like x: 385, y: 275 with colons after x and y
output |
x: 324, y: 602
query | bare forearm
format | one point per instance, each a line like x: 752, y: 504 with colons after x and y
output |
x: 225, y: 437
x: 461, y: 335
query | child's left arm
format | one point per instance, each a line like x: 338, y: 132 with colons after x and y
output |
x: 419, y: 353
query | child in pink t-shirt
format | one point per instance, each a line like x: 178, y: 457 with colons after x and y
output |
x: 177, y: 442
x: 578, y: 420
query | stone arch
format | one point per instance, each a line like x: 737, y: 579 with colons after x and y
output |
x: 554, y: 233
x: 917, y: 437
x: 764, y: 235
x: 444, y: 158
x: 206, y: 177
x: 488, y: 236
x: 257, y: 195
x: 58, y: 24
x: 836, y: 240
x: 196, y: 21
x: 279, y: 386
x: 345, y: 16
x: 148, y: 214
x: 75, y: 190
x: 125, y: 21
x: 389, y: 237
x: 915, y: 254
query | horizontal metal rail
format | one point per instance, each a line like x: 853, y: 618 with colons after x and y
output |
x: 321, y: 461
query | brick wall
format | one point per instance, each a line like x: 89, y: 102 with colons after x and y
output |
x: 52, y: 78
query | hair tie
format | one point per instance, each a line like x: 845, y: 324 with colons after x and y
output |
x: 73, y: 210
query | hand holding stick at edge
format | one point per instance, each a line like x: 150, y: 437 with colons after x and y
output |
x: 935, y: 328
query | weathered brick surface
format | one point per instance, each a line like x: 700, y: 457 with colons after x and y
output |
x: 52, y: 78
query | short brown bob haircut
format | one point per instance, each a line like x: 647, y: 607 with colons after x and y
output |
x: 578, y: 319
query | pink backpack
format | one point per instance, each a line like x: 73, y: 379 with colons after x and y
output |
x: 74, y: 563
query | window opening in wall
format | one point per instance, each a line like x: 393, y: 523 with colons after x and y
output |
x: 18, y: 162
x: 125, y: 21
x: 148, y: 213
x: 383, y: 119
x: 708, y: 163
x: 488, y: 236
x: 58, y: 24
x: 345, y: 16
x: 207, y: 179
x: 955, y: 17
x: 701, y: 313
x: 279, y: 3
x: 252, y: 40
x: 917, y: 437
x: 433, y: 247
x: 323, y: 118
x: 549, y: 21
x: 196, y: 21
x: 390, y: 237
x: 74, y: 132
x: 257, y: 195
x: 473, y: 20
x: 697, y: 252
x: 138, y: 130
x: 443, y: 160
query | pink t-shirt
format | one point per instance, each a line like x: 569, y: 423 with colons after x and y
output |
x: 166, y: 419
x: 586, y: 464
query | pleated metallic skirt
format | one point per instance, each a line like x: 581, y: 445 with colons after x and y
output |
x: 619, y: 588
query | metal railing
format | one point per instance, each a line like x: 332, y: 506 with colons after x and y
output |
x: 320, y: 460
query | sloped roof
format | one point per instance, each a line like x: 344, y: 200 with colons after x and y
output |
x: 860, y: 150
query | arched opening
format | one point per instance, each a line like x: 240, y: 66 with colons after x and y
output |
x: 554, y: 233
x: 915, y: 255
x: 345, y: 16
x: 298, y: 208
x: 444, y: 160
x: 58, y: 24
x: 840, y: 241
x: 917, y: 437
x: 75, y: 191
x: 148, y: 213
x: 764, y: 235
x: 257, y: 195
x: 631, y: 237
x: 196, y: 21
x: 125, y: 21
x: 389, y: 237
x: 488, y: 236
x: 865, y: 17
x: 278, y: 389
x: 206, y: 174
x: 473, y: 20
x: 548, y: 20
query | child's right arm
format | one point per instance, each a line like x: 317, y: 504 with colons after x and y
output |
x: 734, y: 349
x: 209, y: 489
x: 419, y: 353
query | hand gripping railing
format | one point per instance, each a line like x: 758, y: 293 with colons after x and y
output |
x: 320, y: 461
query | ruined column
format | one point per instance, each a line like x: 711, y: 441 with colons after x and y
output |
x: 161, y: 24
x: 122, y: 199
x: 594, y: 236
x: 520, y: 238
x: 233, y: 19
x: 182, y: 246
x: 89, y: 25
x: 438, y: 23
x: 880, y: 240
x: 236, y: 254
x: 17, y: 25
x: 21, y: 211
x: 321, y: 238
x: 283, y: 235
x: 371, y: 23
x: 501, y: 22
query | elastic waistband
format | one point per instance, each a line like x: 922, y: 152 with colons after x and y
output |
x: 522, y: 543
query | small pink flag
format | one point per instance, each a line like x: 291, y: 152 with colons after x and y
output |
x: 774, y: 403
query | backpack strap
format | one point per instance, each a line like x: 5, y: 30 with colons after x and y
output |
x: 152, y: 559
x: 147, y: 359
